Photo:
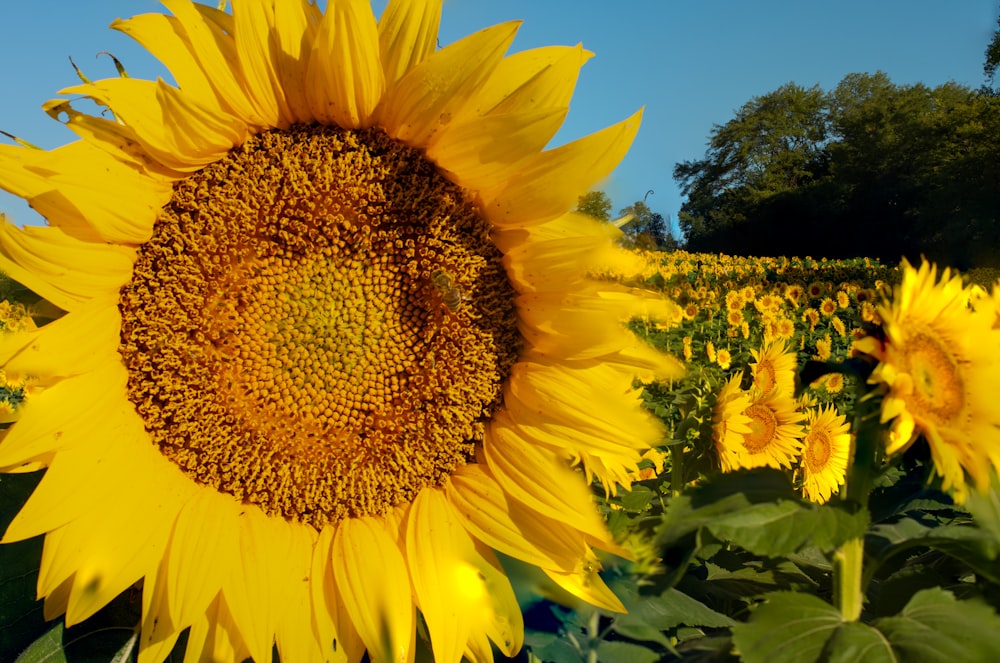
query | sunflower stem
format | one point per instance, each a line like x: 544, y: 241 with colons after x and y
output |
x: 866, y: 455
x: 593, y: 625
x: 676, y: 469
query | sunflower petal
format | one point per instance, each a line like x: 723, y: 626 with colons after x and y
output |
x: 84, y: 191
x: 252, y: 589
x: 345, y: 81
x: 331, y: 621
x: 508, y: 526
x: 215, y: 50
x: 374, y: 585
x: 407, y: 35
x: 166, y: 40
x: 551, y: 183
x: 537, y: 478
x: 427, y: 98
x: 75, y: 344
x: 254, y: 32
x: 295, y: 26
x: 537, y: 80
x: 483, y: 152
x: 297, y: 640
x: 172, y: 127
x: 63, y: 270
x: 58, y: 417
x: 204, y: 541
x: 587, y: 585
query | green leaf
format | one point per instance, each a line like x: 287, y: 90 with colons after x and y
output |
x: 853, y: 642
x: 972, y: 545
x: 935, y: 628
x: 625, y: 651
x: 46, y: 649
x: 637, y: 499
x: 759, y: 511
x: 784, y: 527
x: 787, y: 628
x: 986, y: 509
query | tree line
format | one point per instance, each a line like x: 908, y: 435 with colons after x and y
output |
x: 870, y: 168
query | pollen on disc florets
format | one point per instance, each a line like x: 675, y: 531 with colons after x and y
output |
x: 320, y: 325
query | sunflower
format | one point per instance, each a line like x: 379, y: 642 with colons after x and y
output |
x: 774, y: 368
x: 940, y: 362
x: 827, y: 307
x: 775, y: 436
x: 724, y: 359
x: 729, y: 423
x: 331, y: 329
x: 825, y: 450
x: 735, y: 318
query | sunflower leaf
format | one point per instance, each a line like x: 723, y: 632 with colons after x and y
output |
x: 854, y: 641
x: 784, y: 527
x: 936, y: 628
x: 787, y: 628
x: 46, y: 649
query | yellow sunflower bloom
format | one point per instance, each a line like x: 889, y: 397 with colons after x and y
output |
x: 330, y: 328
x: 941, y: 364
x: 729, y: 423
x: 775, y: 435
x: 825, y: 451
x: 774, y: 368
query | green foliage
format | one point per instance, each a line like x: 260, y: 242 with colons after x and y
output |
x: 595, y: 204
x: 870, y: 167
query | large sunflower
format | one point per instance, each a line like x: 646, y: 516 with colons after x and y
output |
x: 329, y: 328
x: 941, y: 363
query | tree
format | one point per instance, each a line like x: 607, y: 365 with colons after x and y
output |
x: 595, y: 204
x: 992, y: 57
x: 870, y: 168
x: 646, y: 229
x: 773, y: 145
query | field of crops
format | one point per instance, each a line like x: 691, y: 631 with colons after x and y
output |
x: 818, y: 495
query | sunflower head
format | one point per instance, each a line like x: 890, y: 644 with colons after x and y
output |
x: 331, y: 326
x: 939, y: 364
x: 825, y: 452
x: 774, y: 368
x: 774, y: 435
x: 729, y: 423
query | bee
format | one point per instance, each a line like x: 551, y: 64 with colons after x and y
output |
x: 450, y: 292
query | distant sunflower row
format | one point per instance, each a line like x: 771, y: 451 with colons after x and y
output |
x: 746, y: 326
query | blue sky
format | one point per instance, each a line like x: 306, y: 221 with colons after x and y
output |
x: 690, y: 64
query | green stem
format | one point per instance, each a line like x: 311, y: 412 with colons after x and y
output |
x: 592, y: 635
x: 847, y: 565
x: 676, y: 469
x: 866, y: 455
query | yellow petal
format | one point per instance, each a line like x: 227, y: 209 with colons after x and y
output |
x: 65, y: 415
x: 427, y: 98
x: 331, y: 621
x: 63, y: 270
x: 462, y: 593
x: 171, y: 126
x: 539, y: 80
x: 506, y: 525
x: 374, y: 585
x: 85, y: 191
x: 549, y: 184
x: 203, y: 546
x: 296, y: 638
x: 209, y: 34
x: 295, y: 25
x: 482, y: 152
x: 82, y: 341
x: 254, y: 37
x: 345, y: 80
x: 540, y: 480
x: 588, y: 585
x: 215, y: 637
x: 108, y: 563
x: 251, y: 591
x: 407, y: 35
x: 166, y: 40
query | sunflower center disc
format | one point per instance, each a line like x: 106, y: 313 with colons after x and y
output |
x: 817, y: 450
x: 320, y: 325
x: 937, y: 382
x: 762, y: 427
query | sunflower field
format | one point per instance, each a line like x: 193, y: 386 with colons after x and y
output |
x: 309, y: 358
